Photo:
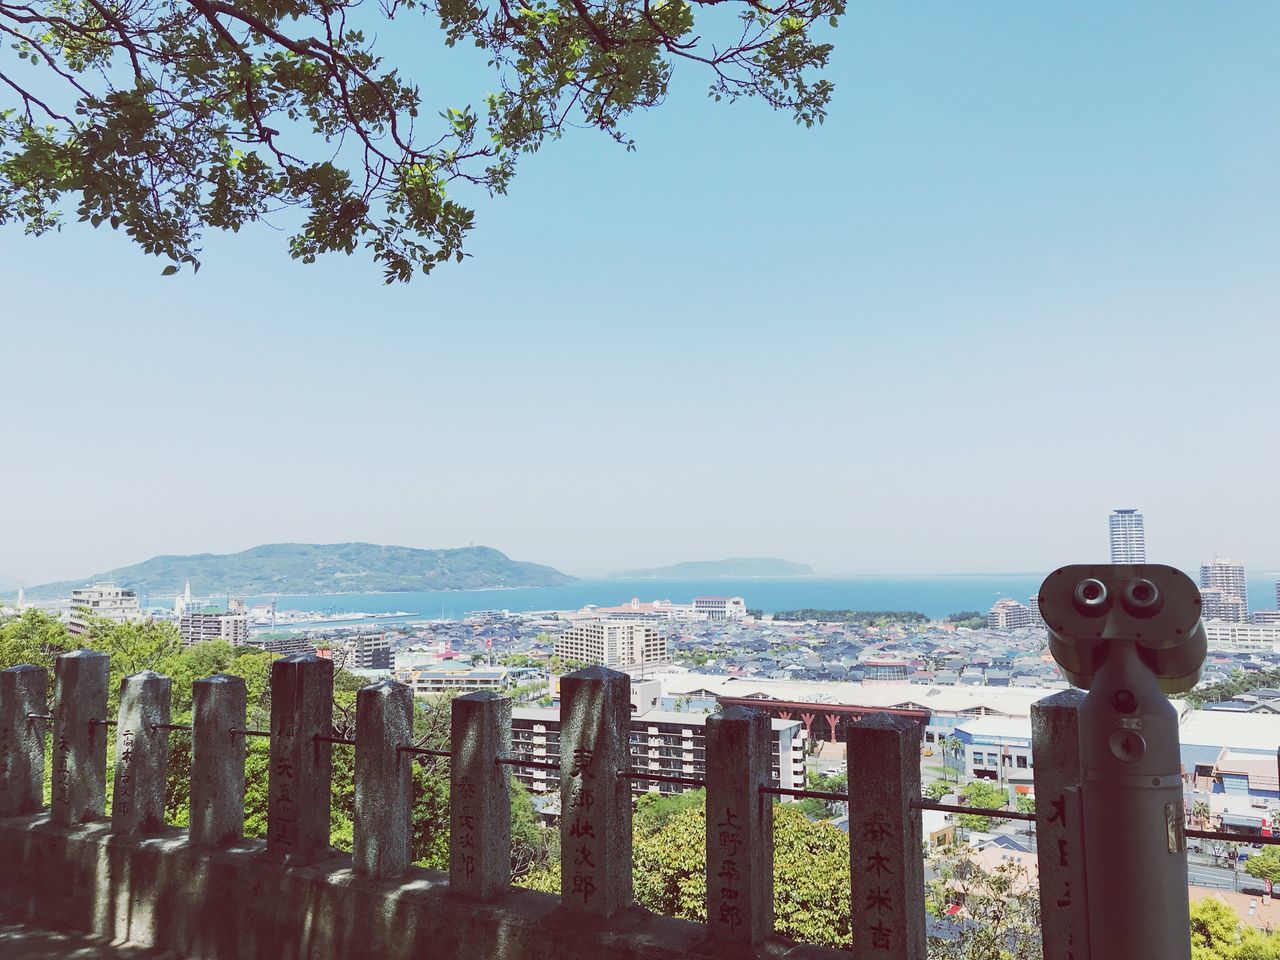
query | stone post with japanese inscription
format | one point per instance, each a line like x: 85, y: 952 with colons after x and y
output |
x: 1055, y: 755
x: 80, y: 681
x: 23, y: 691
x: 886, y: 849
x: 142, y: 755
x: 383, y: 835
x: 301, y: 765
x: 219, y: 705
x: 480, y: 827
x: 739, y: 827
x: 595, y: 801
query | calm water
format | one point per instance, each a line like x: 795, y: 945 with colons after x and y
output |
x: 933, y: 596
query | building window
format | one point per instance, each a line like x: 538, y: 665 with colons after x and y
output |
x: 1022, y: 763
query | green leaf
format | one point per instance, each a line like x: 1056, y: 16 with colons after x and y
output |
x: 169, y: 271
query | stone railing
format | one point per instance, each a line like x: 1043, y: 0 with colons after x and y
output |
x: 207, y: 892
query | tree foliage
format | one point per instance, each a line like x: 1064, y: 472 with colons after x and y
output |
x: 1264, y: 865
x: 1240, y: 681
x: 985, y: 914
x: 981, y: 793
x: 810, y: 863
x: 1216, y: 934
x: 165, y: 119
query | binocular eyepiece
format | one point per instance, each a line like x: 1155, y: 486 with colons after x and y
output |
x: 1089, y: 607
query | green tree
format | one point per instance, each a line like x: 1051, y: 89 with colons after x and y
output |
x: 1265, y: 865
x: 937, y: 790
x: 34, y: 637
x: 810, y: 869
x: 998, y: 916
x: 1214, y: 930
x: 166, y: 119
x: 981, y: 793
x: 654, y: 810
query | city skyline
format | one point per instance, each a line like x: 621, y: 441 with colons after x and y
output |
x: 742, y: 339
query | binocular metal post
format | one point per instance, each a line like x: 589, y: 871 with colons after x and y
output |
x: 1135, y: 860
x: 1130, y: 634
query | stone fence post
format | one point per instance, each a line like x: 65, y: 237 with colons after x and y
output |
x: 886, y: 843
x: 1055, y: 755
x: 301, y: 772
x: 480, y: 830
x: 383, y: 831
x: 142, y: 755
x: 79, y: 737
x: 24, y: 690
x: 595, y: 800
x: 739, y: 827
x: 219, y: 705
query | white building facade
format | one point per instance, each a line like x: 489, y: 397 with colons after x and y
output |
x: 613, y: 642
x: 102, y: 601
x: 1128, y: 538
x: 667, y: 743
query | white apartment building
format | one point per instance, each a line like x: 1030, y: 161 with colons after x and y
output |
x: 102, y: 601
x: 665, y: 742
x: 1128, y: 539
x: 1229, y: 636
x: 1224, y: 590
x: 613, y: 643
x: 232, y: 625
x: 1008, y: 614
x: 1033, y: 608
x: 370, y: 651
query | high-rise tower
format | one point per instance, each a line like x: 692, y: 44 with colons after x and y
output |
x: 1128, y: 541
x: 1224, y: 591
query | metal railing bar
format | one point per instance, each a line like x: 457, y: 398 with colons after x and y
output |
x: 341, y: 741
x: 170, y: 726
x: 974, y: 811
x: 662, y: 778
x: 236, y: 732
x: 1232, y: 837
x: 802, y: 794
x: 425, y: 751
x: 527, y: 762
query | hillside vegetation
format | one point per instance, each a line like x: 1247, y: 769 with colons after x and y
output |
x: 293, y: 568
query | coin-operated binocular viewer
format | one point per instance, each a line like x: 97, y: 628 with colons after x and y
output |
x: 1130, y: 635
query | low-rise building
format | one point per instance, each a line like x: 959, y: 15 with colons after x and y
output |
x: 1233, y: 636
x: 994, y: 748
x: 456, y: 679
x: 721, y: 608
x: 286, y: 645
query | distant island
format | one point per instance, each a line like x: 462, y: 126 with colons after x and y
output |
x: 307, y: 568
x: 732, y: 568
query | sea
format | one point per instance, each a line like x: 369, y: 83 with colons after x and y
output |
x: 934, y: 596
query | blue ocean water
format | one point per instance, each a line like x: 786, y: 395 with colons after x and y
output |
x: 934, y: 596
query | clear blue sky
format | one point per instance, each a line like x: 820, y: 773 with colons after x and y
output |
x: 1027, y: 272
